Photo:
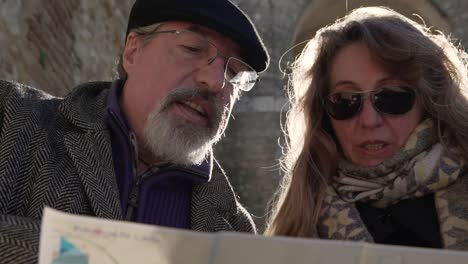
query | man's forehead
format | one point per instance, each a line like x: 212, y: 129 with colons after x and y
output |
x: 225, y: 45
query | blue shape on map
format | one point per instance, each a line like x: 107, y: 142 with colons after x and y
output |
x: 67, y: 247
x: 69, y: 254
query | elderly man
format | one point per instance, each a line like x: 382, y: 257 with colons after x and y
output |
x: 139, y: 148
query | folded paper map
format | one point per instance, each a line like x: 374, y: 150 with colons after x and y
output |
x: 74, y: 239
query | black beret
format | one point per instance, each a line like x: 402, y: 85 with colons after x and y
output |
x: 221, y: 15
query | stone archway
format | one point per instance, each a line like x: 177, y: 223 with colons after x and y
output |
x: 319, y: 13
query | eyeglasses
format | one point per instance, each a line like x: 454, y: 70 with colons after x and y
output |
x: 199, y: 51
x: 392, y: 100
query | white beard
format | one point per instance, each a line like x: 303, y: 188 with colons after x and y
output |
x: 172, y: 139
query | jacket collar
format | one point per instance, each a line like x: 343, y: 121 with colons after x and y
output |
x: 85, y: 106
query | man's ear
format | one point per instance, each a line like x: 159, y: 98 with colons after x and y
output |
x: 130, y: 51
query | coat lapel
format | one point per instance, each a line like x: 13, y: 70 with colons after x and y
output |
x: 92, y: 158
x: 212, y: 204
x: 90, y: 147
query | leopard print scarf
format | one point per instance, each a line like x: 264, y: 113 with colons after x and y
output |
x: 423, y: 166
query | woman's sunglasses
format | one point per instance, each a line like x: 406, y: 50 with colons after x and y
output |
x: 392, y: 100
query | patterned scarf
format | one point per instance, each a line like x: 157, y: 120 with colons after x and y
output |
x: 423, y: 166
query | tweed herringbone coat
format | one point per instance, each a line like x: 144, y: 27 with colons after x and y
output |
x: 56, y: 152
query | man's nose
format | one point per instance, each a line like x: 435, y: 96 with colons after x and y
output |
x: 369, y: 117
x: 211, y: 76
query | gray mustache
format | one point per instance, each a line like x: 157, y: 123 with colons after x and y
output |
x: 187, y: 94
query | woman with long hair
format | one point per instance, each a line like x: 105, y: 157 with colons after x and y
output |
x: 377, y: 136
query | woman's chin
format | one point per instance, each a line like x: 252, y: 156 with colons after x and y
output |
x: 367, y: 158
x: 368, y: 162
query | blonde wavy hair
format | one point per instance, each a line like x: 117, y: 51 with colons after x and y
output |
x: 427, y: 60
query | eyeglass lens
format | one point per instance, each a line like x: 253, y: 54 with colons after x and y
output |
x: 388, y: 100
x: 194, y: 46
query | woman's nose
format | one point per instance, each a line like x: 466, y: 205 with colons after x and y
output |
x: 369, y: 117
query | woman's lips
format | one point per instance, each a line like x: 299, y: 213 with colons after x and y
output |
x: 375, y: 148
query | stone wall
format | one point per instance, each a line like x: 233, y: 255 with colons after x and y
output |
x: 56, y: 44
x: 250, y: 151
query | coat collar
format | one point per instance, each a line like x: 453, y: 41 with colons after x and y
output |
x: 85, y: 106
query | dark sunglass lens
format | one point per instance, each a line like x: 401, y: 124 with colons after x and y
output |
x: 394, y: 100
x: 341, y: 106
